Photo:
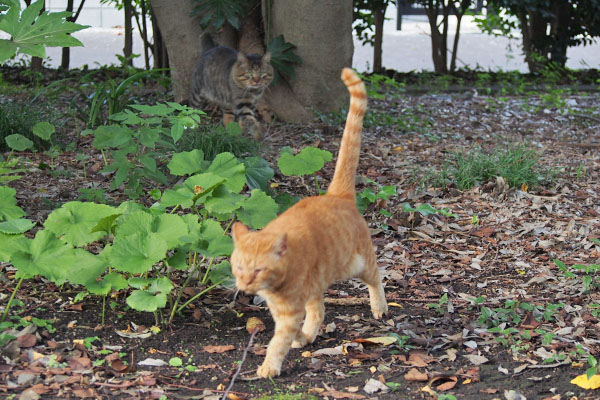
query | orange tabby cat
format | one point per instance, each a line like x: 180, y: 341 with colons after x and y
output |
x: 318, y: 241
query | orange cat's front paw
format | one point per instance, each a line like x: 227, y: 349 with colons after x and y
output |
x: 300, y: 341
x: 268, y: 371
x: 379, y: 310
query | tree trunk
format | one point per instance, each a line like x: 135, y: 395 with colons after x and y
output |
x: 438, y: 45
x: 559, y: 30
x: 180, y: 33
x: 128, y: 36
x: 36, y: 62
x: 322, y: 33
x: 379, y: 16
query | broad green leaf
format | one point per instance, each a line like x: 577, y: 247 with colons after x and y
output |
x: 258, y: 173
x: 8, y: 204
x: 43, y: 130
x: 171, y: 227
x: 45, y: 255
x: 10, y: 244
x: 285, y: 201
x: 202, y: 185
x: 258, y: 210
x: 218, y: 243
x: 227, y: 166
x: 135, y: 222
x: 18, y: 142
x: 106, y: 224
x: 177, y: 130
x: 111, y: 136
x: 74, y: 221
x: 148, y: 162
x: 137, y: 253
x: 423, y: 209
x: 138, y: 282
x: 221, y: 274
x: 161, y: 110
x: 187, y: 163
x: 83, y: 267
x: 182, y: 197
x: 152, y: 298
x: 179, y: 259
x: 110, y: 282
x: 31, y: 31
x: 222, y: 201
x: 148, y: 136
x: 16, y: 226
x: 308, y: 161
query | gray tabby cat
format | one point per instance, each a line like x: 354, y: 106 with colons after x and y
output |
x: 233, y: 80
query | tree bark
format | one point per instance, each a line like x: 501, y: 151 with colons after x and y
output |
x: 128, y: 36
x: 379, y: 17
x: 322, y: 33
x: 180, y: 33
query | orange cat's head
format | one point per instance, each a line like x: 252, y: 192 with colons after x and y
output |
x: 258, y: 259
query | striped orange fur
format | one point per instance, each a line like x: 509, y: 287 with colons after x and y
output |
x: 318, y: 241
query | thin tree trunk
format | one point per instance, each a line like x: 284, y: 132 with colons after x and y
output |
x: 145, y: 34
x: 437, y: 47
x: 158, y: 49
x: 36, y: 62
x: 128, y: 36
x: 459, y: 14
x: 379, y: 16
x: 66, y: 51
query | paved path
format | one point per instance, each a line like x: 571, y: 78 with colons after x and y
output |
x: 406, y: 50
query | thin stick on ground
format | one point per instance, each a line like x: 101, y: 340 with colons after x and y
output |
x: 239, y: 368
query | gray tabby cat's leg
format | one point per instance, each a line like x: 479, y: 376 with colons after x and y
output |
x: 248, y: 122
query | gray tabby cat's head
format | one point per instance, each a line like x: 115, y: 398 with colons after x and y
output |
x: 252, y: 71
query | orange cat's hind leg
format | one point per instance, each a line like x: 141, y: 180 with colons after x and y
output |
x: 371, y: 277
x: 315, y: 313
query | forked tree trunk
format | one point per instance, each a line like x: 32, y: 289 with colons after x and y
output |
x: 321, y: 31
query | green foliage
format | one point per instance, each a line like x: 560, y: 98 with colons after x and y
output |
x: 517, y: 164
x: 308, y: 161
x: 283, y: 58
x: 20, y: 118
x: 215, y: 13
x: 427, y: 209
x: 363, y: 20
x: 214, y: 139
x: 132, y: 143
x: 31, y: 32
x: 368, y: 196
x: 589, y: 273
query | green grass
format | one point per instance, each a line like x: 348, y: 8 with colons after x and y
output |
x: 20, y: 117
x: 214, y: 139
x: 517, y: 164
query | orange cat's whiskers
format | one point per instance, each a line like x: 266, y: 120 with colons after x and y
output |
x: 318, y: 241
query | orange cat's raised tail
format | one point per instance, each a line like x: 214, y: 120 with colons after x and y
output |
x: 347, y: 162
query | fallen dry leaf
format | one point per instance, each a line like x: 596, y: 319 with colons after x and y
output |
x: 255, y: 325
x: 383, y: 340
x: 374, y: 386
x: 414, y: 374
x: 342, y: 395
x: 444, y: 383
x: 476, y: 359
x: 218, y: 348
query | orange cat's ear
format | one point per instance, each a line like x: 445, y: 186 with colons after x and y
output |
x: 238, y: 230
x: 280, y: 245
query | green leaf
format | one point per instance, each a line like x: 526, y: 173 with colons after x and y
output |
x: 112, y: 136
x: 153, y: 298
x: 83, y: 267
x: 423, y: 209
x: 177, y: 131
x: 187, y: 163
x: 74, y: 221
x: 227, y: 166
x: 148, y: 136
x: 258, y: 173
x: 16, y: 226
x: 258, y: 210
x: 8, y: 204
x: 45, y: 255
x: 285, y: 201
x: 175, y: 362
x: 182, y: 197
x: 137, y: 253
x: 221, y: 274
x: 171, y: 227
x: 110, y: 282
x: 106, y: 224
x: 283, y: 58
x: 222, y: 201
x: 43, y: 130
x: 18, y: 142
x: 10, y: 244
x: 308, y: 161
x: 31, y: 31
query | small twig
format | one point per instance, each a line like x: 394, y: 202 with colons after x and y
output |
x: 239, y: 368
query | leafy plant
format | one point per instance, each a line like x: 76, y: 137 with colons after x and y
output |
x: 31, y: 31
x: 589, y: 279
x: 283, y: 58
x: 131, y: 143
x: 428, y: 209
x: 215, y: 13
x: 308, y: 161
x: 368, y: 196
x: 17, y: 117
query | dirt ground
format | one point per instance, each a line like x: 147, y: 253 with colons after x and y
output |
x: 499, y: 247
